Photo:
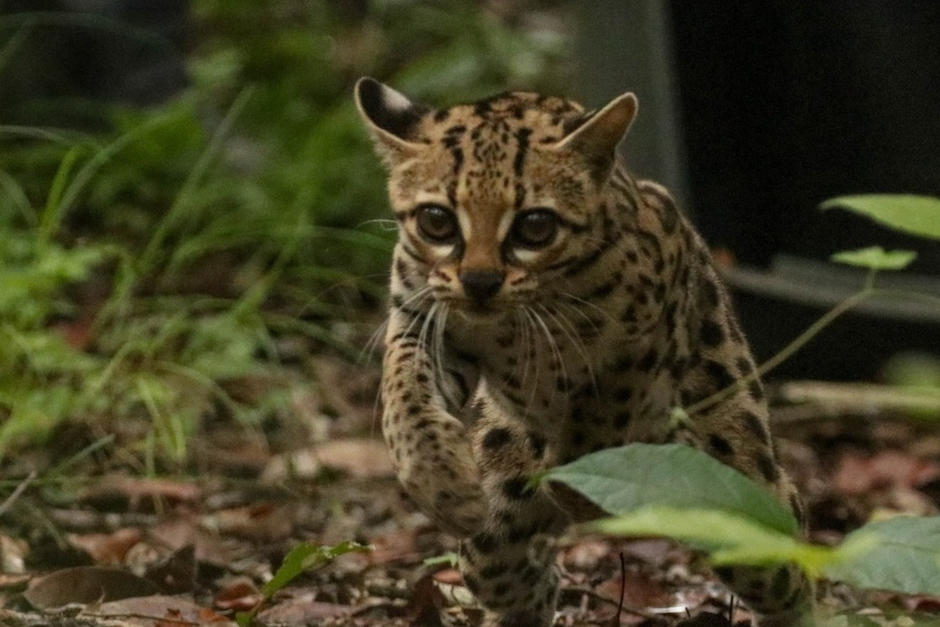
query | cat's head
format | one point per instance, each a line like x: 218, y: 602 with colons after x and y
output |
x: 494, y: 198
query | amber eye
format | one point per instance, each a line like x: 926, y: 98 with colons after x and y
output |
x: 535, y: 228
x: 437, y: 223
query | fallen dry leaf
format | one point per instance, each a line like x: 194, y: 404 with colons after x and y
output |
x: 239, y: 594
x: 10, y: 581
x: 358, y: 457
x: 857, y: 473
x: 106, y: 549
x: 175, y: 573
x: 394, y: 546
x: 301, y: 610
x: 134, y: 489
x: 425, y: 603
x: 85, y: 584
x: 639, y: 591
x: 161, y: 611
x: 12, y: 555
x: 262, y: 521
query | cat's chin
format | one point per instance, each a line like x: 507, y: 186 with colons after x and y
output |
x: 480, y: 315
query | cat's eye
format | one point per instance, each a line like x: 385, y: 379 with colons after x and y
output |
x: 436, y: 223
x: 535, y: 228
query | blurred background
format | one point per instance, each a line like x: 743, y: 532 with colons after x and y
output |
x: 190, y: 211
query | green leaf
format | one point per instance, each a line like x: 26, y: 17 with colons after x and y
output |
x: 627, y: 478
x: 905, y: 556
x: 729, y: 538
x: 300, y: 559
x: 876, y: 258
x: 308, y: 556
x: 450, y: 558
x: 917, y: 215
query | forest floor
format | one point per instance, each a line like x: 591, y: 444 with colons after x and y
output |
x: 197, y: 549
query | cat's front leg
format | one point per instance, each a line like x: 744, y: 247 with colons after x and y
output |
x: 430, y: 447
x: 509, y: 564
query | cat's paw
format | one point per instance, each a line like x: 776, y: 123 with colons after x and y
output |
x: 463, y: 517
x: 444, y: 481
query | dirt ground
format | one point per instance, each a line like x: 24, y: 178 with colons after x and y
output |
x: 162, y: 552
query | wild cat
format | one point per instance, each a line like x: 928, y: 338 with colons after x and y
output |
x: 546, y: 304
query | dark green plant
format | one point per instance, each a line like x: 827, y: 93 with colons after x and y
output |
x: 147, y: 269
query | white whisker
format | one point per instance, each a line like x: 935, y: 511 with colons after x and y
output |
x: 576, y: 342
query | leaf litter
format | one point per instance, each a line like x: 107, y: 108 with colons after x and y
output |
x: 200, y: 548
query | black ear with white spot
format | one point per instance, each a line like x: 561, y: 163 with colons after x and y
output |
x: 390, y: 116
x: 598, y: 136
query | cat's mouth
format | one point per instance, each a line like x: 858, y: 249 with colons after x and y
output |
x: 475, y: 311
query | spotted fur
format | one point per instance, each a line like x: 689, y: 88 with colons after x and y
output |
x: 503, y: 359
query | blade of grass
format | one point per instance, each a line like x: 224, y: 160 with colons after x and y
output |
x: 147, y: 258
x: 50, y: 213
x: 13, y: 44
x: 84, y: 175
x: 17, y: 196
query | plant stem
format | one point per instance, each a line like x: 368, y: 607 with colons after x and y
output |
x: 787, y: 351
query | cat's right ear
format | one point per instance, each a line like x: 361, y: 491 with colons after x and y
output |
x: 391, y: 118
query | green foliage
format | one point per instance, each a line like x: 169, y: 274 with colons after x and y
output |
x: 625, y: 478
x: 302, y: 558
x: 450, y: 559
x: 904, y: 555
x: 916, y: 215
x: 679, y: 492
x: 729, y: 538
x: 147, y: 268
x: 876, y: 258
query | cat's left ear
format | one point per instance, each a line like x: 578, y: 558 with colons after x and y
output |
x: 598, y: 136
x: 391, y: 118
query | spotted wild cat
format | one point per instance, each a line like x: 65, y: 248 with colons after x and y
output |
x: 545, y: 304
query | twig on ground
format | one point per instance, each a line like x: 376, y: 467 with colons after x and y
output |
x: 623, y: 588
x: 594, y: 595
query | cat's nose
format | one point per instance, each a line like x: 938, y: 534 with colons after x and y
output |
x: 480, y: 285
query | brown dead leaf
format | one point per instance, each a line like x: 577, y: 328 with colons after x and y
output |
x: 160, y: 611
x: 9, y: 581
x: 85, y: 584
x: 448, y: 575
x: 174, y: 534
x: 261, y: 521
x: 302, y: 610
x: 857, y: 473
x: 639, y: 591
x: 585, y: 555
x: 425, y: 603
x: 239, y: 594
x: 175, y: 573
x: 362, y: 458
x: 135, y: 489
x: 106, y: 549
x: 398, y: 545
x: 12, y: 554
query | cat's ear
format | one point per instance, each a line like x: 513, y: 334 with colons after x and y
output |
x: 599, y: 134
x: 391, y: 118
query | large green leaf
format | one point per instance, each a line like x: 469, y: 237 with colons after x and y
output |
x: 917, y: 215
x: 876, y: 258
x: 729, y: 538
x: 905, y: 556
x: 626, y: 478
